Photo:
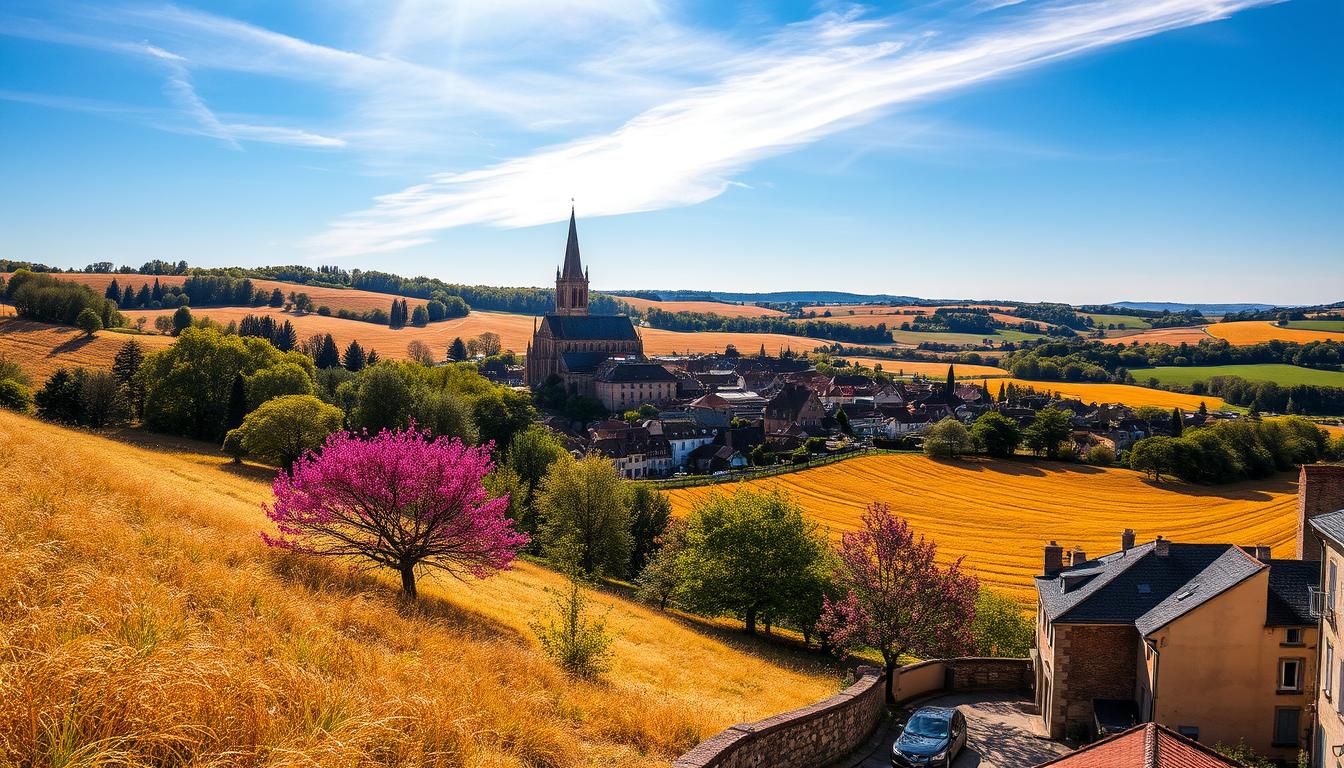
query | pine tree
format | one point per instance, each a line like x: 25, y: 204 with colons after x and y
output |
x: 125, y: 366
x: 1203, y: 409
x: 113, y: 291
x: 277, y: 298
x: 156, y: 293
x: 1002, y: 391
x: 761, y: 354
x: 354, y: 358
x: 371, y: 358
x: 1177, y: 422
x: 128, y: 298
x: 328, y: 356
x: 142, y: 298
x: 284, y: 337
x: 951, y: 381
x: 237, y: 410
x: 457, y: 351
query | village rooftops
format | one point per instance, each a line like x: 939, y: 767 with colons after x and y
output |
x: 622, y: 372
x: 1149, y: 745
x: 1143, y: 587
x: 590, y: 327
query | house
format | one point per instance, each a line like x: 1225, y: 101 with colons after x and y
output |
x: 1320, y: 503
x: 683, y: 437
x: 1144, y: 746
x: 634, y: 452
x: 1213, y: 640
x: 710, y: 410
x: 716, y: 458
x: 793, y: 405
x: 622, y: 384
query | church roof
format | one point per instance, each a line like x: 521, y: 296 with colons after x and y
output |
x: 590, y: 327
x: 582, y: 362
x: 573, y: 268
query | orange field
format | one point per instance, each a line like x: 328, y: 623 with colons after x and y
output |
x: 932, y: 370
x: 515, y: 332
x: 714, y: 307
x: 1000, y: 513
x: 42, y: 348
x: 892, y: 317
x: 336, y: 298
x: 1127, y: 394
x: 1256, y: 331
x: 1173, y: 336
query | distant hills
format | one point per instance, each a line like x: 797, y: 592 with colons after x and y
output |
x: 1204, y: 309
x: 843, y: 297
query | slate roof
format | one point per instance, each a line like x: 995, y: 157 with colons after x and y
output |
x: 590, y: 327
x: 1144, y: 746
x: 573, y: 266
x: 1289, y: 582
x: 621, y: 373
x: 1331, y: 525
x: 1143, y: 588
x: 583, y: 362
x: 789, y: 401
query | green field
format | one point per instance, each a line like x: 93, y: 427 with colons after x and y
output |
x: 1275, y: 372
x: 1318, y: 325
x: 999, y: 336
x: 1131, y: 322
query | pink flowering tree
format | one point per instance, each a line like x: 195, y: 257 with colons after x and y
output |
x: 396, y: 500
x: 895, y: 598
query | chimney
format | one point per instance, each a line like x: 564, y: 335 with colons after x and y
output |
x: 1262, y: 553
x: 1054, y: 558
x: 1161, y: 547
x: 1127, y: 540
x: 1320, y: 491
x: 1077, y: 556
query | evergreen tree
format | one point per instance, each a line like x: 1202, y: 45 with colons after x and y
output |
x: 1203, y: 409
x: 951, y: 382
x: 127, y: 299
x: 419, y: 317
x: 1002, y: 391
x: 59, y: 399
x: 156, y: 293
x: 762, y: 354
x: 372, y: 358
x: 1177, y: 422
x: 457, y: 351
x: 113, y: 292
x: 285, y: 337
x: 125, y: 366
x: 354, y: 358
x: 843, y: 419
x: 237, y: 410
x: 277, y: 298
x: 142, y: 298
x: 328, y: 356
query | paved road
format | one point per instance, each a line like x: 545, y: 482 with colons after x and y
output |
x: 1002, y: 734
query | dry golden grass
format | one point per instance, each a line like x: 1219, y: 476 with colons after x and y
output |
x: 932, y: 370
x: 142, y: 622
x: 515, y: 332
x: 1000, y: 513
x: 1255, y: 332
x: 712, y: 307
x: 891, y: 317
x: 336, y: 298
x: 1128, y: 394
x: 42, y: 348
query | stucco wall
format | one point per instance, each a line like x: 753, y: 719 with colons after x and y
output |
x: 827, y: 731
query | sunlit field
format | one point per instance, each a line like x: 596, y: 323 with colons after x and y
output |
x: 41, y: 348
x: 1128, y: 394
x: 143, y: 622
x: 713, y: 307
x: 1000, y: 513
x: 931, y: 370
x: 1257, y: 331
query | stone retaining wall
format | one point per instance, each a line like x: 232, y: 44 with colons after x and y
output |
x: 828, y: 730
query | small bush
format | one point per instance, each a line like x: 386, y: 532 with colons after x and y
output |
x: 1101, y: 455
x: 15, y: 396
x: 575, y: 639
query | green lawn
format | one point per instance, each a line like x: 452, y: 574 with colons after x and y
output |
x: 1318, y: 325
x: 1275, y: 372
x: 1130, y: 321
x: 1001, y: 335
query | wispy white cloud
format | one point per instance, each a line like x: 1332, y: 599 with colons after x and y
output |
x: 817, y: 79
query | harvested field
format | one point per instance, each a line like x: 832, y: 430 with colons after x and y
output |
x: 1128, y: 394
x: 896, y: 309
x: 932, y: 370
x: 515, y: 332
x: 148, y: 623
x: 713, y: 307
x: 41, y: 348
x: 1173, y: 336
x: 1256, y: 331
x: 1000, y: 513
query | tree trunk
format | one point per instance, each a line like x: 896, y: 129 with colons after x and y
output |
x: 751, y: 621
x: 408, y: 580
x: 891, y: 682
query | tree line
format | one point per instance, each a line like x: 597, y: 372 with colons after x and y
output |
x: 1228, y: 451
x: 703, y: 321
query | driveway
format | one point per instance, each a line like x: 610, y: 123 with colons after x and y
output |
x: 1002, y: 734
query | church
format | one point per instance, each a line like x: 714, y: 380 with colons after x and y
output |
x: 572, y: 344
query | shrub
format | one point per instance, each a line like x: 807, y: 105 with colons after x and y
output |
x: 948, y: 439
x: 15, y: 396
x: 284, y: 428
x: 1101, y: 455
x: 578, y: 641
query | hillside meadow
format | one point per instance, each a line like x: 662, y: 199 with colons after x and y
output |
x: 1284, y: 375
x: 41, y: 348
x: 1174, y: 336
x: 1128, y: 394
x: 999, y: 514
x: 711, y: 307
x: 143, y: 622
x: 515, y: 332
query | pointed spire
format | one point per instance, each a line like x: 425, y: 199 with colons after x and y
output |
x: 573, y: 266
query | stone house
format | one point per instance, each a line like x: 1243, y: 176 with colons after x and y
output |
x: 794, y: 405
x: 1320, y: 502
x: 624, y: 384
x: 1214, y: 641
x: 635, y: 453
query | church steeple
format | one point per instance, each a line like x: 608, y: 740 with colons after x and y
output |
x: 571, y: 283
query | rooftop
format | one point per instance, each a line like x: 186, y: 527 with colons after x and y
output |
x: 1144, y: 746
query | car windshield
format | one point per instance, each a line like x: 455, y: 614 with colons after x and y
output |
x: 928, y: 726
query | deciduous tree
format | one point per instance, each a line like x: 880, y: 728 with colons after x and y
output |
x: 89, y: 322
x: 282, y: 429
x: 585, y: 509
x: 1047, y: 432
x: 996, y: 434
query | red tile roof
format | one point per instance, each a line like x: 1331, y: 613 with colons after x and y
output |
x: 1144, y: 746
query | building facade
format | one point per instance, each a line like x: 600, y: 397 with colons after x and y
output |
x: 1320, y: 499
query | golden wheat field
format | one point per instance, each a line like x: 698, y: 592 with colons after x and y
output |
x: 713, y: 307
x: 143, y: 622
x: 892, y: 317
x: 1127, y: 394
x: 1173, y: 336
x: 932, y: 370
x: 41, y: 348
x: 515, y: 332
x: 1000, y: 513
x: 1255, y: 332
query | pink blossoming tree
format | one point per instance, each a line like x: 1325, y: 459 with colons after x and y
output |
x: 895, y: 598
x: 397, y: 500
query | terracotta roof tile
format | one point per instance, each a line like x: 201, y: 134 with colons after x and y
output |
x: 1144, y: 746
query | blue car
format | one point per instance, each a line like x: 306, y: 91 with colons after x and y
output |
x: 931, y: 738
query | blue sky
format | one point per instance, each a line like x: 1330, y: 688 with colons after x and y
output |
x: 1185, y: 150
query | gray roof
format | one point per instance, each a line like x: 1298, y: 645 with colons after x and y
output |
x: 583, y: 362
x: 573, y: 268
x: 1289, y: 582
x: 1140, y: 587
x: 590, y: 327
x: 620, y: 373
x: 1331, y: 526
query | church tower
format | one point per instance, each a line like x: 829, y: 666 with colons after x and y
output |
x: 571, y: 282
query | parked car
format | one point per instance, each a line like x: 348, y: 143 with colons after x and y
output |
x: 931, y: 738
